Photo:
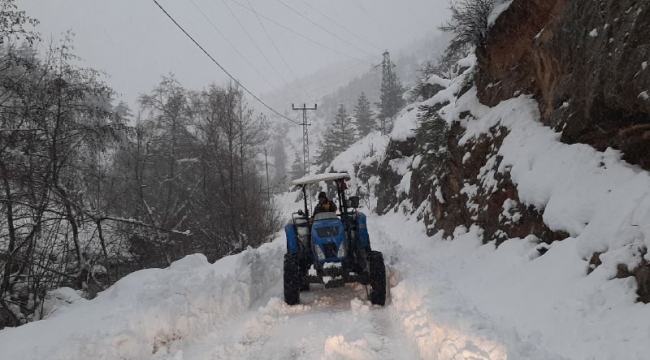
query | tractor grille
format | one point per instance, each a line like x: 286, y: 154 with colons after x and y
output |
x: 330, y: 250
x: 327, y: 231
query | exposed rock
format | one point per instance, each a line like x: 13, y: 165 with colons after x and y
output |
x: 641, y: 274
x: 586, y: 62
x: 386, y: 192
x: 474, y: 193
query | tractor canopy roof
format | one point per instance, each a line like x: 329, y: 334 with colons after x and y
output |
x: 312, y: 179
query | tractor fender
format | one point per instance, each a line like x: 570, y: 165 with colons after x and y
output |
x: 292, y: 239
x: 364, y: 238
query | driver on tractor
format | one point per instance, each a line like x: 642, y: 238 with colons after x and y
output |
x: 324, y: 204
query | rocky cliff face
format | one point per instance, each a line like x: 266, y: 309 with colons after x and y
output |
x: 460, y: 195
x: 586, y: 62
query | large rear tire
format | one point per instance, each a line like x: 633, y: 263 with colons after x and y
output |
x: 377, y: 278
x: 304, y: 271
x: 291, y: 279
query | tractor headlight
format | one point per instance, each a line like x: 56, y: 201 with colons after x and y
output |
x: 343, y: 250
x: 319, y: 253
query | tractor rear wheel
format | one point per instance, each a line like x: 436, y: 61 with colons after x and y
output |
x: 291, y: 279
x: 377, y: 278
x: 304, y: 271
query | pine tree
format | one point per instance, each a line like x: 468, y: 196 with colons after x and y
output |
x: 391, y: 101
x: 431, y: 136
x: 326, y: 150
x: 279, y: 160
x: 363, y: 116
x: 343, y: 134
x: 297, y: 167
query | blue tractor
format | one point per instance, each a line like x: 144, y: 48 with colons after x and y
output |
x: 339, y: 240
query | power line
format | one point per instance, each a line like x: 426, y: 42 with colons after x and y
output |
x: 324, y: 29
x: 232, y: 45
x: 299, y: 34
x: 342, y: 27
x: 336, y: 83
x: 219, y: 65
x: 255, y: 43
x: 278, y: 51
x: 329, y: 75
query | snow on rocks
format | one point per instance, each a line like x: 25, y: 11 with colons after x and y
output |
x: 593, y: 196
x: 437, y: 80
x: 499, y: 7
x: 600, y: 201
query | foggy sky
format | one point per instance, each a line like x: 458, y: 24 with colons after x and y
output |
x: 135, y: 43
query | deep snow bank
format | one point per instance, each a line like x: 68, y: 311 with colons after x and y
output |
x: 509, y: 173
x: 150, y: 311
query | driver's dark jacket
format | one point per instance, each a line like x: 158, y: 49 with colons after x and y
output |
x: 329, y: 206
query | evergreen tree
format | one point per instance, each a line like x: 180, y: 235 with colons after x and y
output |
x: 431, y: 136
x: 363, y: 116
x: 326, y: 150
x: 391, y: 101
x: 343, y: 134
x: 279, y: 161
x: 297, y: 167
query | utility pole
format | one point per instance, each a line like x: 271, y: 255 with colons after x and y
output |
x: 305, y: 135
x: 268, y: 187
x: 305, y: 139
x: 385, y: 65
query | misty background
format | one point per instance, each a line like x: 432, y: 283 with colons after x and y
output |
x: 135, y: 43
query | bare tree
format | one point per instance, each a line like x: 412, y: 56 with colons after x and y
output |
x: 469, y: 24
x: 55, y: 120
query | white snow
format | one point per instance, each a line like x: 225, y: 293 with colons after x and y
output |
x: 509, y: 212
x: 644, y: 95
x: 466, y: 156
x: 594, y: 32
x: 401, y: 165
x: 151, y: 311
x: 405, y: 125
x: 406, y: 121
x: 499, y: 8
x: 312, y: 179
x: 405, y: 184
x: 437, y: 80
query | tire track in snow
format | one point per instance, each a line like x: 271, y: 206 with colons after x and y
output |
x: 329, y: 324
x: 440, y: 322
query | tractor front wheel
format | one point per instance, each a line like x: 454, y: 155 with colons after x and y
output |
x: 291, y: 279
x: 377, y: 278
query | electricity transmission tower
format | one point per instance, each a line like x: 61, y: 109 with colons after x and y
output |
x: 305, y: 135
x: 386, y: 66
x: 305, y: 139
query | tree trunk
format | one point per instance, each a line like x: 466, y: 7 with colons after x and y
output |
x: 5, y: 287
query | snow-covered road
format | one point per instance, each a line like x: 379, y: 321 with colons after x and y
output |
x: 425, y: 318
x: 328, y: 324
x: 448, y: 300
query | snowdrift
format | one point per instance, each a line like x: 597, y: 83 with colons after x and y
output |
x: 148, y: 311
